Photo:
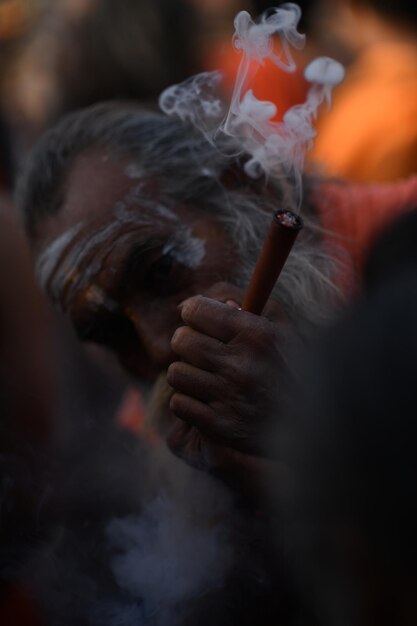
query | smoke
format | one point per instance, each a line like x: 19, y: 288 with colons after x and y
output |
x: 196, y: 100
x: 144, y: 539
x: 275, y: 148
x: 179, y: 547
x: 165, y: 559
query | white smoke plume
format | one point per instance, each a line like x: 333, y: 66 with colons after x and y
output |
x: 274, y: 148
x: 178, y: 547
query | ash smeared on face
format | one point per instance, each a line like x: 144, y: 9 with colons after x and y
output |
x: 186, y: 249
x: 134, y: 171
x: 150, y: 210
x: 51, y: 255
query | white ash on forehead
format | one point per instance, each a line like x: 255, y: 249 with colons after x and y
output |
x: 139, y: 206
x: 185, y: 248
x: 134, y: 171
x: 50, y: 256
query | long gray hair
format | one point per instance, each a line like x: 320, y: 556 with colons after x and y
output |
x: 188, y: 169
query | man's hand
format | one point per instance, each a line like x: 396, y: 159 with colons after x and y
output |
x: 227, y: 382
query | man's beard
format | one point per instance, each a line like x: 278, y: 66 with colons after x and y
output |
x: 158, y: 417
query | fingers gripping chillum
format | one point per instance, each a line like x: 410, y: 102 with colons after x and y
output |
x: 225, y: 383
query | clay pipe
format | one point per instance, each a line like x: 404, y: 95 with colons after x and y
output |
x: 277, y: 245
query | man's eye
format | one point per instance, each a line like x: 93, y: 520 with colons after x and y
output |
x: 110, y: 332
x: 94, y: 331
x: 163, y: 267
x: 164, y: 276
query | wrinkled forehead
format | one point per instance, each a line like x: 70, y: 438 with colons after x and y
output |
x: 100, y: 186
x: 106, y: 203
x: 95, y: 182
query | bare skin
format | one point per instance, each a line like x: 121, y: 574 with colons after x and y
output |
x: 227, y: 382
x: 123, y: 267
x: 128, y: 270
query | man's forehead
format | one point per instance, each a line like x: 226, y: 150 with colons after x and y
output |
x: 96, y: 181
x: 99, y: 187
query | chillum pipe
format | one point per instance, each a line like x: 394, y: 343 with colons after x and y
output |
x: 279, y: 240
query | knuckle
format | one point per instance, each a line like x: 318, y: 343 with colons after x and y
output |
x: 176, y: 439
x: 263, y: 336
x: 245, y: 375
x: 193, y: 308
x: 229, y: 423
x: 229, y: 318
x: 219, y: 386
x: 239, y: 377
x: 235, y: 373
x: 174, y: 375
x: 175, y: 404
x: 180, y: 337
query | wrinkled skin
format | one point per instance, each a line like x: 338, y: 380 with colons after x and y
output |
x: 119, y: 265
x: 110, y: 261
x: 227, y: 381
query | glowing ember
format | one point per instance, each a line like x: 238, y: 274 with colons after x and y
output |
x: 288, y: 219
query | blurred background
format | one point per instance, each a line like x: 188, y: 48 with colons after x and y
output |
x: 58, y: 55
x: 61, y: 55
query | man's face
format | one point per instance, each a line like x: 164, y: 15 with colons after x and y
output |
x: 118, y: 260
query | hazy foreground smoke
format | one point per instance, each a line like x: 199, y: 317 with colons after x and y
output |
x: 274, y: 148
x: 142, y: 558
x: 163, y: 559
x: 178, y: 548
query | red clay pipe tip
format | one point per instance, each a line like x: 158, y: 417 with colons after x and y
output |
x: 279, y: 240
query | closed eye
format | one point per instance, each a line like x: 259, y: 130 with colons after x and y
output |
x: 112, y: 332
x: 165, y: 276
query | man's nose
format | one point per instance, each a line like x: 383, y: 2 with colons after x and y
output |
x: 154, y: 333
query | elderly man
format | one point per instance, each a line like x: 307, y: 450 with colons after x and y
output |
x: 145, y: 236
x: 130, y: 214
x: 139, y: 226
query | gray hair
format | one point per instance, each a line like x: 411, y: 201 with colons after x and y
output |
x: 188, y: 169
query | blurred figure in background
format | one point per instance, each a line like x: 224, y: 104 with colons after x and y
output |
x: 15, y: 16
x: 370, y: 133
x: 59, y: 444
x: 351, y: 499
x: 26, y: 407
x: 78, y: 53
x: 6, y: 170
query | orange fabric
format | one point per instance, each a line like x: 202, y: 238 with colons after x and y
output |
x: 269, y: 83
x: 354, y: 214
x: 370, y: 134
x: 13, y: 18
x: 131, y: 412
x: 131, y: 416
